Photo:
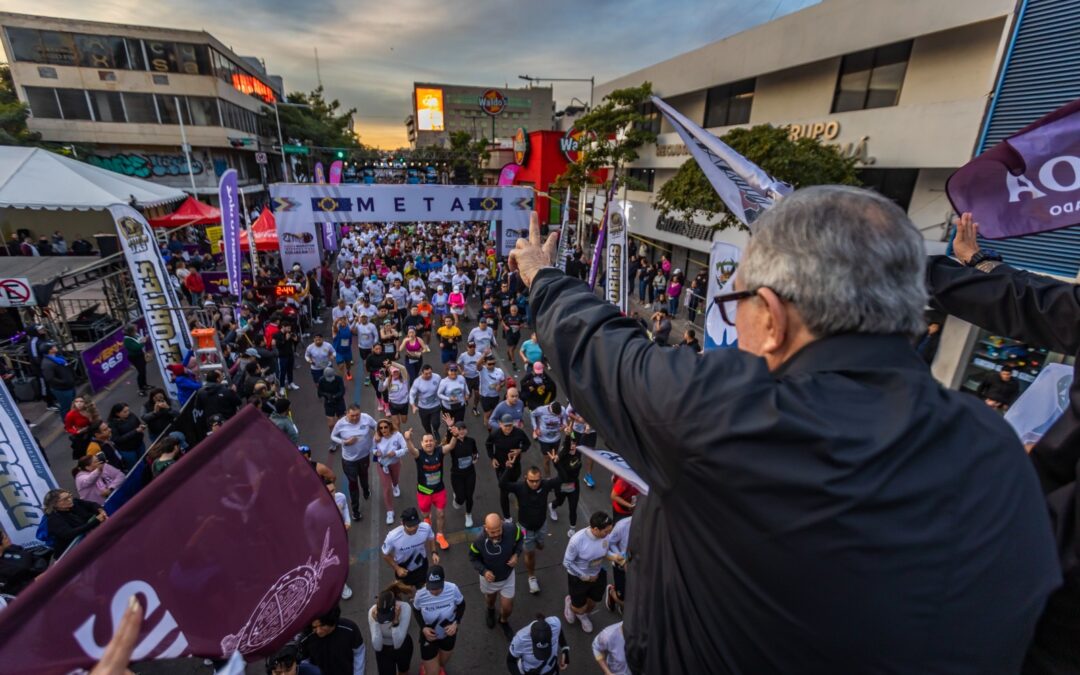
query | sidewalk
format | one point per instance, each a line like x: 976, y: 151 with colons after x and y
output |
x: 679, y: 324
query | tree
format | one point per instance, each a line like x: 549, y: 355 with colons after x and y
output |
x: 13, y: 113
x: 801, y: 162
x: 322, y: 123
x: 467, y: 156
x: 613, y: 132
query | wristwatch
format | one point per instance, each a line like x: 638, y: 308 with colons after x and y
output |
x: 984, y: 260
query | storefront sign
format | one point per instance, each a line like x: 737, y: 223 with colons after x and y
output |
x: 857, y: 150
x: 106, y: 360
x: 492, y: 102
x: 521, y: 146
x: 615, y: 291
x: 825, y: 130
x: 16, y: 292
x: 575, y: 143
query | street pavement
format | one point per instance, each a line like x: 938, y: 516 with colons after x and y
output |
x: 479, y: 650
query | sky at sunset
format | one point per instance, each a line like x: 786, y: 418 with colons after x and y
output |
x: 370, y: 53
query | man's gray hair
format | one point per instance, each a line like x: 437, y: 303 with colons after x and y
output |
x: 850, y: 260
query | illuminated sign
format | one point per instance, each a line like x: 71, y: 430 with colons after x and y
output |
x: 247, y: 84
x: 429, y: 109
x: 284, y: 290
x: 574, y: 143
x: 521, y: 146
x: 492, y: 102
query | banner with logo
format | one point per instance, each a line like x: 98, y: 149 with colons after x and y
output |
x: 230, y: 225
x: 320, y: 175
x: 1028, y: 183
x: 237, y: 547
x: 329, y: 236
x: 615, y: 289
x: 25, y: 476
x: 564, y: 235
x: 742, y: 185
x: 335, y: 172
x: 217, y: 283
x: 106, y: 360
x: 213, y: 235
x: 615, y: 463
x: 723, y: 262
x: 168, y: 334
x: 601, y: 235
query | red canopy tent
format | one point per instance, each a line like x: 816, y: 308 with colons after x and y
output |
x: 191, y: 212
x: 265, y: 230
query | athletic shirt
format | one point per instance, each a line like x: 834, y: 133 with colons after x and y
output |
x: 366, y: 335
x: 449, y: 336
x: 408, y: 550
x: 440, y: 300
x: 457, y: 301
x: 548, y: 424
x: 391, y: 449
x: 521, y: 648
x: 397, y: 392
x: 610, y: 645
x: 436, y: 611
x: 578, y: 427
x: 513, y: 324
x: 429, y: 471
x: 453, y: 392
x: 585, y: 554
x: 619, y: 539
x: 462, y: 456
x: 425, y: 393
x: 415, y: 347
x: 569, y: 468
x: 489, y: 381
x: 468, y: 362
x: 483, y: 338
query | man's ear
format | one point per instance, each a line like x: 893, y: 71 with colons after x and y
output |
x: 776, y: 322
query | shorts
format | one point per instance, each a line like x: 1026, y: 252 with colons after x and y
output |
x: 417, y: 577
x: 534, y: 536
x: 505, y: 588
x: 399, y: 408
x: 430, y: 650
x: 474, y: 383
x: 582, y: 591
x: 586, y: 439
x: 488, y: 403
x: 425, y: 501
x: 546, y: 447
x: 334, y: 409
x: 343, y: 358
x: 512, y: 339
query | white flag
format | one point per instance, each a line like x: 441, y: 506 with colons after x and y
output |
x: 1042, y: 404
x: 743, y: 186
x: 615, y: 463
x: 723, y: 261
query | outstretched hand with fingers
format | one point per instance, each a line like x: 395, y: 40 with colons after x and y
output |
x: 965, y: 244
x: 533, y: 254
x: 118, y: 652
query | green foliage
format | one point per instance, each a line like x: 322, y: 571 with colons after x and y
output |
x: 619, y: 128
x: 465, y: 153
x: 801, y: 163
x: 13, y: 114
x: 323, y: 124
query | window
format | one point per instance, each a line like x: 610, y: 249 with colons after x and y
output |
x: 167, y: 109
x: 204, y: 112
x: 641, y: 179
x: 896, y: 184
x: 73, y: 104
x: 107, y: 106
x: 652, y: 118
x: 872, y: 78
x: 58, y: 48
x: 106, y: 76
x: 25, y: 44
x: 140, y: 108
x: 729, y: 104
x: 160, y: 79
x: 43, y: 102
x: 134, y: 51
x: 47, y: 72
x: 101, y: 51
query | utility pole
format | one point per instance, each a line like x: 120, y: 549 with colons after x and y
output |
x: 187, y: 148
x: 318, y: 73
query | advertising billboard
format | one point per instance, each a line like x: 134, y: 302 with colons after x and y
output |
x: 429, y: 109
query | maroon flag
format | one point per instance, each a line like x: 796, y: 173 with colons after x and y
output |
x: 236, y: 547
x: 1028, y: 183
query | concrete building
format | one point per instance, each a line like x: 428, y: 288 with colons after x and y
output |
x: 484, y: 112
x: 122, y: 91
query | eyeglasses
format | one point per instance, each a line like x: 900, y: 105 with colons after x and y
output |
x: 727, y: 303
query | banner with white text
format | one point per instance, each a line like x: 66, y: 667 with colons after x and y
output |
x: 615, y: 288
x: 24, y: 475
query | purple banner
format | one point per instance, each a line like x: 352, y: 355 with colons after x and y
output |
x: 329, y: 237
x: 211, y: 581
x: 320, y: 175
x: 1028, y: 183
x: 230, y: 229
x: 335, y: 172
x: 106, y: 361
x: 217, y: 283
x: 600, y: 236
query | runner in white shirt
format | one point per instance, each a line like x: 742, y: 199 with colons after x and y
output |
x: 453, y: 393
x: 470, y: 360
x: 343, y: 508
x: 355, y: 434
x: 483, y: 336
x: 585, y: 573
x: 438, y: 607
x: 389, y: 449
x: 609, y: 650
x: 539, y: 648
x: 548, y: 422
x: 416, y: 284
x: 615, y: 594
x: 424, y: 397
x: 408, y: 548
x: 342, y: 311
x: 492, y: 382
x: 348, y: 292
x: 363, y: 307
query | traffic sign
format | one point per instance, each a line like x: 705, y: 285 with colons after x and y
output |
x: 16, y: 292
x: 296, y: 150
x: 260, y: 158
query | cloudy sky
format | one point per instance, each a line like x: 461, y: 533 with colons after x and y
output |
x: 371, y: 51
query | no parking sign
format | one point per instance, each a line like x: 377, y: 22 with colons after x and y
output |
x: 16, y: 292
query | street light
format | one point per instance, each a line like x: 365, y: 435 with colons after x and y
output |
x: 281, y: 139
x: 590, y: 80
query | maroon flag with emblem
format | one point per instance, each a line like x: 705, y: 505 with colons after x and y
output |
x: 236, y: 547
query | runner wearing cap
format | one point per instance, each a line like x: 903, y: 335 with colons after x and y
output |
x: 389, y: 620
x: 439, y: 607
x: 325, y: 473
x: 424, y: 397
x: 430, y: 489
x: 609, y: 650
x: 453, y: 392
x: 585, y: 573
x: 494, y: 555
x: 539, y: 389
x: 463, y: 458
x: 491, y: 382
x: 504, y: 446
x: 512, y: 406
x: 457, y: 305
x: 408, y: 548
x: 539, y: 648
x: 470, y: 368
x: 548, y: 422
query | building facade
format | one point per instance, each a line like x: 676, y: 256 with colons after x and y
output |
x: 484, y: 112
x: 129, y: 95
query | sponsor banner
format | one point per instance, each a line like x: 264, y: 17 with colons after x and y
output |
x: 24, y: 475
x: 169, y: 335
x: 329, y: 236
x: 16, y: 292
x: 1028, y: 183
x: 320, y: 175
x: 1040, y: 406
x: 509, y: 174
x: 106, y: 361
x: 335, y: 172
x: 564, y: 234
x: 615, y: 290
x: 213, y: 234
x: 217, y: 283
x: 742, y: 185
x: 601, y: 235
x: 614, y: 463
x: 230, y: 224
x: 211, y: 581
x: 723, y: 262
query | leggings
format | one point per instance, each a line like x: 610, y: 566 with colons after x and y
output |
x: 504, y: 495
x: 392, y: 661
x: 464, y: 485
x: 389, y: 480
x: 572, y: 497
x: 457, y: 412
x: 429, y: 419
x: 357, y: 474
x: 619, y: 574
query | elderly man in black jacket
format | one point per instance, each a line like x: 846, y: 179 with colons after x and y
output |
x: 1044, y: 312
x: 818, y: 503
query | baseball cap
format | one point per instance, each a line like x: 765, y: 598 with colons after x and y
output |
x: 304, y: 449
x: 540, y: 634
x: 410, y: 517
x: 506, y: 419
x: 538, y: 367
x: 470, y: 343
x: 251, y: 351
x: 435, y: 578
x: 175, y: 369
x: 384, y: 610
x: 452, y: 367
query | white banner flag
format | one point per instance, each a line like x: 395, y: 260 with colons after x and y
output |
x: 1042, y: 403
x: 157, y: 298
x: 24, y: 475
x: 723, y: 261
x: 742, y: 185
x: 615, y: 289
x: 614, y: 463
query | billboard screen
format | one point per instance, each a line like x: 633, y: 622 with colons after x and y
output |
x: 429, y: 109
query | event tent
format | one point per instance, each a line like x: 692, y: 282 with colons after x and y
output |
x: 191, y: 212
x: 33, y: 178
x: 265, y: 231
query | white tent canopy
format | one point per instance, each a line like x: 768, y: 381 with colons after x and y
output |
x: 32, y: 178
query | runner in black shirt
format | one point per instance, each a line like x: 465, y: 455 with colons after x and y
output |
x: 334, y: 645
x: 511, y: 325
x: 430, y: 489
x: 463, y: 458
x: 504, y: 445
x: 568, y: 463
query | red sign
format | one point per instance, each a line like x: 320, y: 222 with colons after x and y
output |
x: 15, y: 292
x: 492, y: 102
x: 573, y: 144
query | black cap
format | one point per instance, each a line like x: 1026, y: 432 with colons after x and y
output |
x: 384, y: 609
x: 540, y: 633
x: 410, y: 517
x: 435, y: 578
x: 506, y: 419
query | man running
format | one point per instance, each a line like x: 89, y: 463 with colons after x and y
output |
x: 512, y: 322
x: 493, y: 555
x: 491, y: 382
x: 408, y: 548
x: 512, y: 406
x: 438, y: 607
x: 453, y: 393
x: 355, y: 433
x: 504, y: 446
x: 463, y: 459
x: 424, y: 397
x: 470, y: 368
x: 430, y: 489
x: 585, y: 573
x: 548, y: 422
x: 532, y: 499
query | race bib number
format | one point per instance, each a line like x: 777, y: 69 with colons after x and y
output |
x: 568, y: 487
x: 433, y: 478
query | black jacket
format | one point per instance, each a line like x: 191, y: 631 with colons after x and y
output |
x: 218, y: 399
x: 485, y: 557
x: 532, y: 504
x: 57, y: 376
x: 65, y: 526
x: 1046, y: 313
x: 157, y: 421
x: 126, y: 434
x: 499, y: 445
x: 844, y: 513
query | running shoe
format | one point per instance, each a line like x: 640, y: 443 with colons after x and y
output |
x: 453, y: 502
x: 568, y: 613
x: 475, y: 412
x: 348, y: 376
x: 609, y: 602
x: 397, y: 491
x: 552, y: 513
x: 534, y: 585
x: 589, y: 480
x: 346, y: 592
x: 468, y: 520
x: 389, y: 517
x: 441, y: 540
x: 570, y: 532
x: 586, y: 623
